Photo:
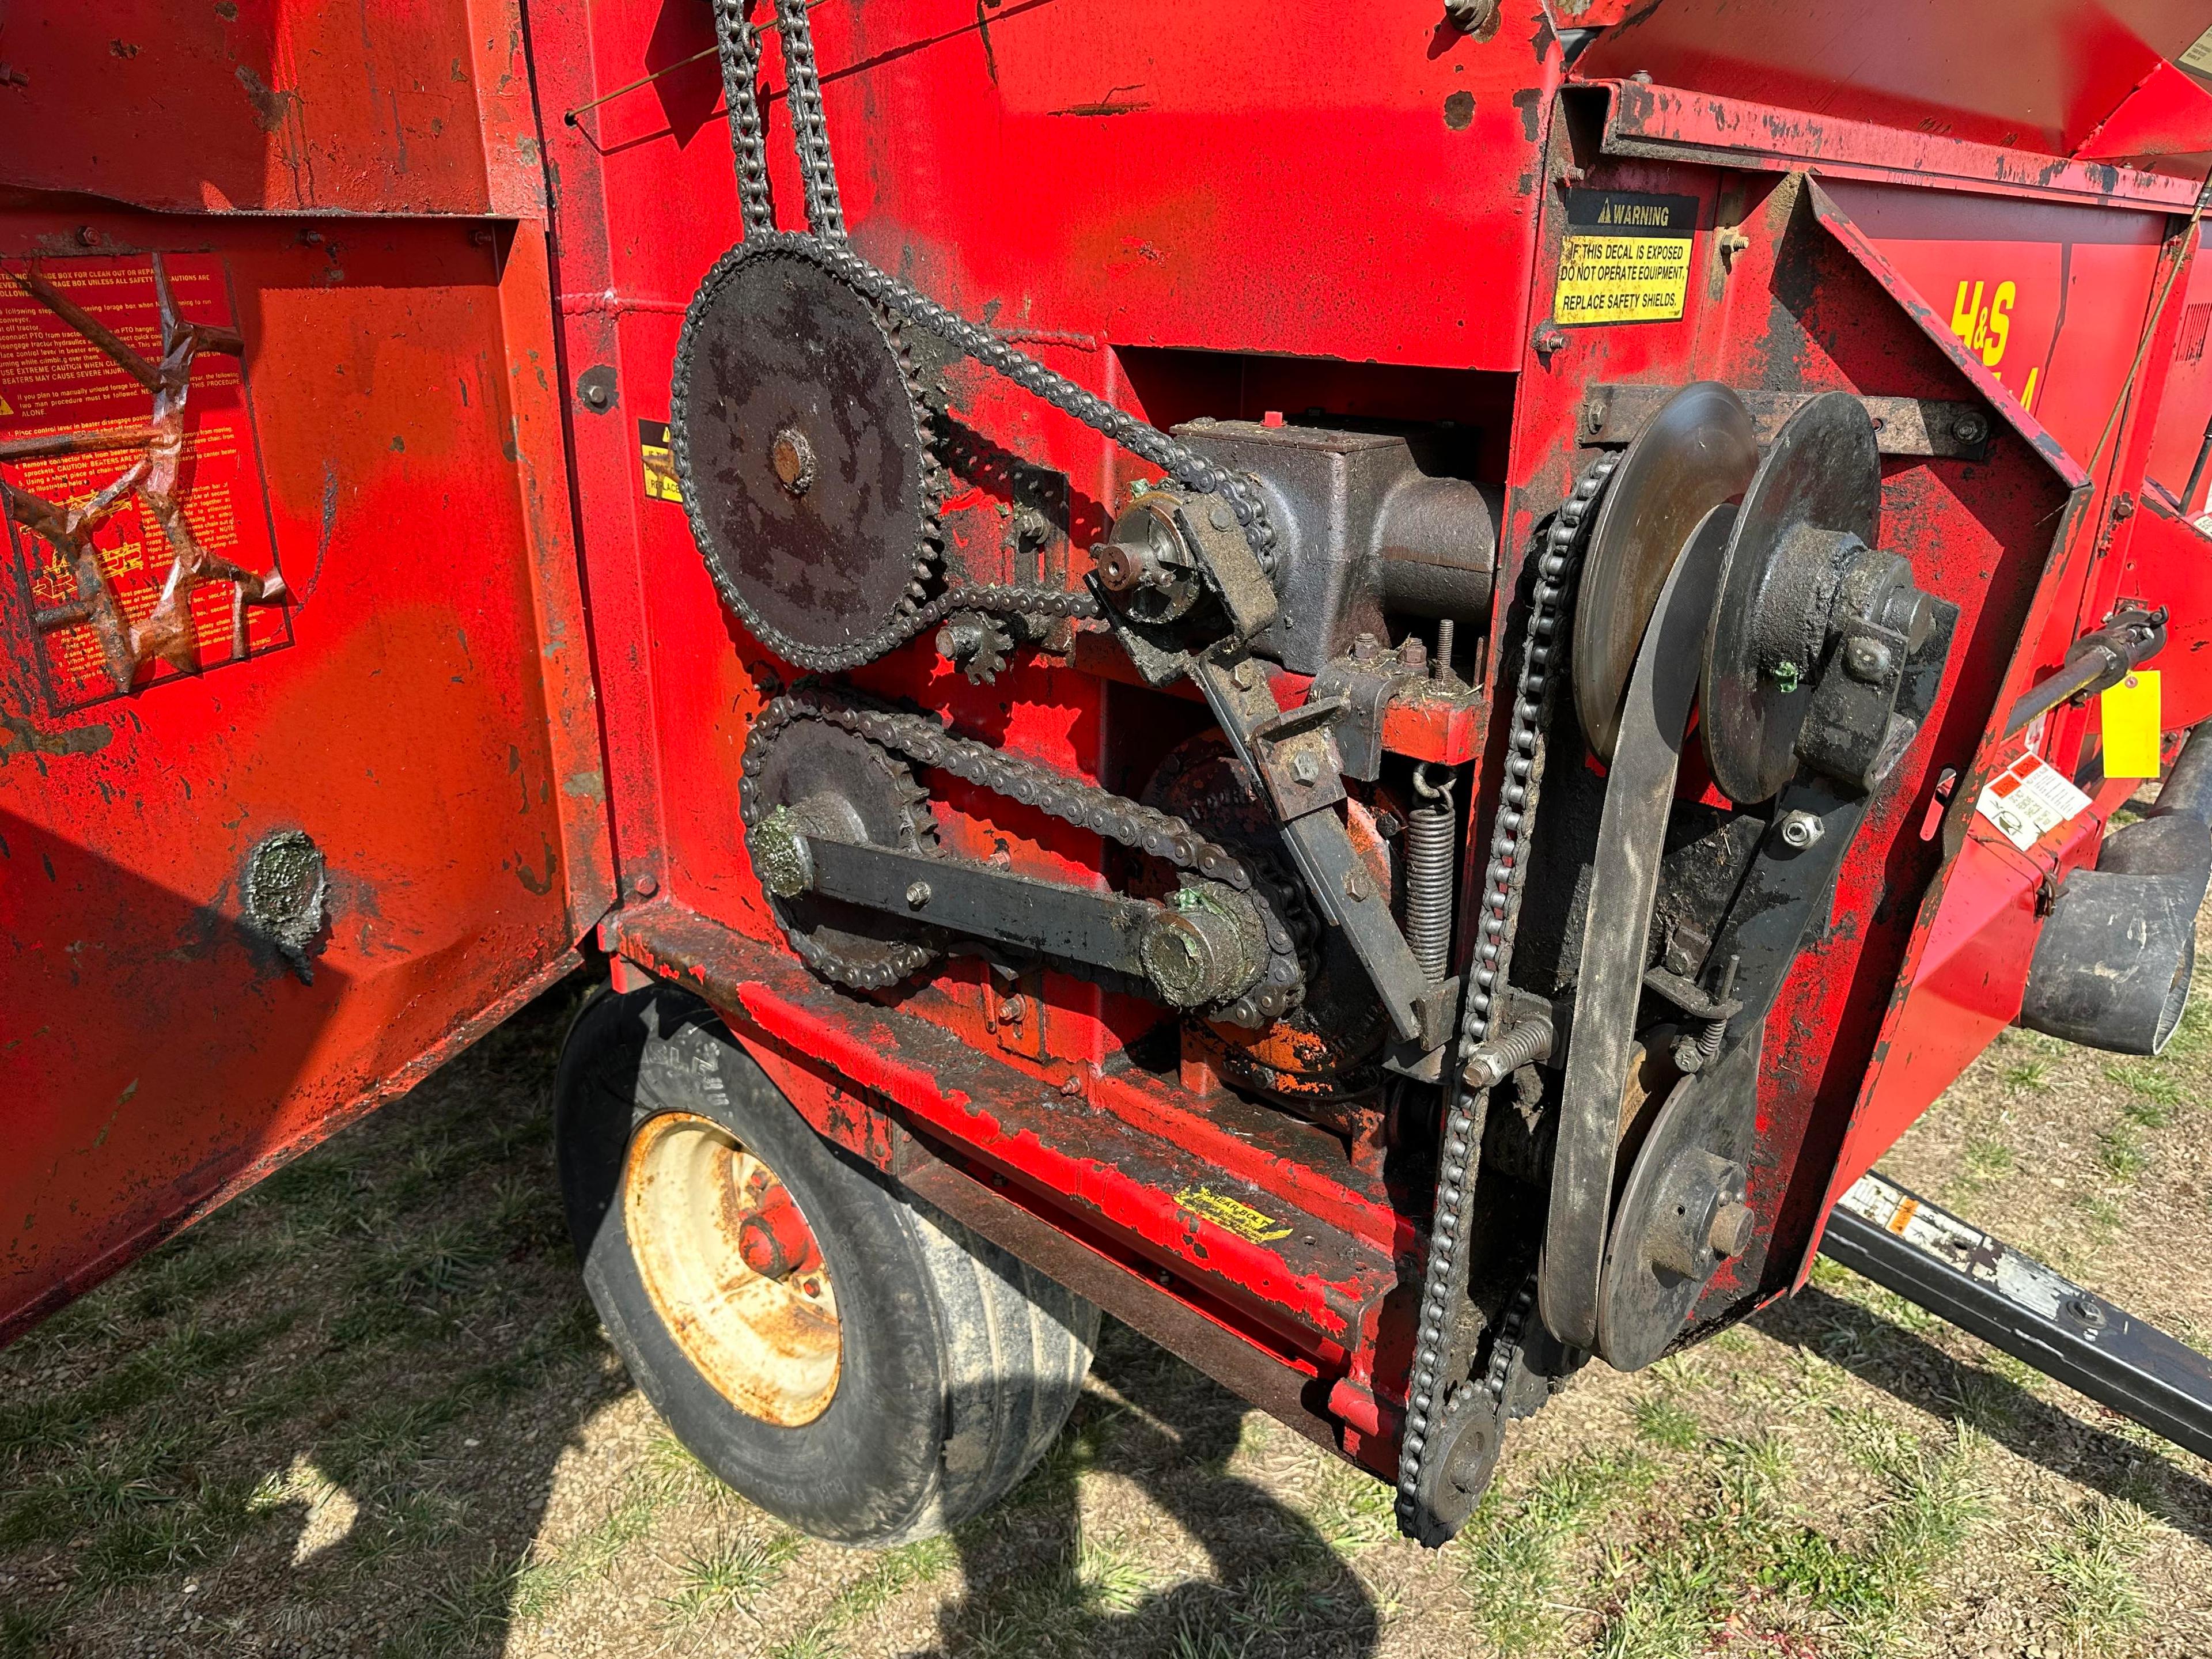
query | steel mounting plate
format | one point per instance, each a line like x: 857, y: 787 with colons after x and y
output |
x: 1695, y: 454
x: 1823, y: 473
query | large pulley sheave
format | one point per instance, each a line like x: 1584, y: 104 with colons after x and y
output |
x: 800, y: 444
x: 1699, y: 452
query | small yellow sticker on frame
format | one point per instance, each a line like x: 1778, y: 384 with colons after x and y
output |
x: 1233, y: 1215
x: 1625, y: 257
x: 658, y: 462
x: 2132, y: 718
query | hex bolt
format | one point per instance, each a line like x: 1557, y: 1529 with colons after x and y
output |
x: 792, y: 458
x: 1220, y: 517
x: 1730, y: 1235
x: 1969, y: 427
x: 1010, y: 1011
x: 2087, y: 1309
x: 1549, y: 338
x: 644, y: 886
x: 1869, y: 660
x: 1305, y: 767
x: 917, y: 896
x: 1800, y: 830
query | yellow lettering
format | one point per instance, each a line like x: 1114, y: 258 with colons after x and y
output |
x: 1966, y: 312
x: 2027, y: 398
x: 2000, y: 324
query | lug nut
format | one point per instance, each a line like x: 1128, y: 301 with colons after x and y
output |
x: 1801, y: 829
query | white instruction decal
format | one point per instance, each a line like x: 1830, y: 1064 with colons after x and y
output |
x: 2028, y: 799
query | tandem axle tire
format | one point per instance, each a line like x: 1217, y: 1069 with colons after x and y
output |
x: 830, y: 1346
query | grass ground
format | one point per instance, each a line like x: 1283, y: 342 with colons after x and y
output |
x: 366, y: 1411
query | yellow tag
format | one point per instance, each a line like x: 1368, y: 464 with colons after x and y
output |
x: 1255, y: 1226
x: 2132, y: 725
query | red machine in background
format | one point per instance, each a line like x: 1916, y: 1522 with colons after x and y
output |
x: 1384, y: 693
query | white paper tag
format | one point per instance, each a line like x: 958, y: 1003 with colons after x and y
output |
x: 2028, y: 799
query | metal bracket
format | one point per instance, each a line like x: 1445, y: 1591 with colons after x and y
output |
x: 1207, y: 950
x: 1902, y: 425
x: 1336, y: 877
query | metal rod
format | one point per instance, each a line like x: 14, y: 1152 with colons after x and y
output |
x: 569, y: 117
x: 2197, y: 472
x: 2013, y: 1302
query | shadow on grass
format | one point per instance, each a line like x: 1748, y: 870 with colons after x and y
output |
x: 323, y: 1420
x: 326, y: 1421
x: 1039, y: 1583
x: 1922, y: 1376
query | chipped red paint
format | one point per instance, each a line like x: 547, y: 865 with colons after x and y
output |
x: 430, y: 725
x: 1186, y: 228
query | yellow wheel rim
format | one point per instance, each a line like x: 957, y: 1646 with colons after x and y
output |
x: 771, y: 1347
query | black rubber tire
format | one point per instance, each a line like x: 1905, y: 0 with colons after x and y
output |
x: 959, y: 1364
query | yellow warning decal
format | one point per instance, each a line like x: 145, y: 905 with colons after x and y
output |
x: 658, y: 461
x: 1233, y: 1215
x: 1625, y: 257
x: 2132, y: 718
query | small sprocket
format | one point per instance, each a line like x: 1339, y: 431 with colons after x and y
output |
x: 978, y: 644
x: 839, y: 785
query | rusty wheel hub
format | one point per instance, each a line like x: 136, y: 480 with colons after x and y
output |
x: 732, y: 1267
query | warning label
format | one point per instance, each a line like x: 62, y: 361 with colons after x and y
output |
x: 658, y: 462
x: 1254, y: 1226
x: 2028, y: 799
x: 1625, y: 257
x: 56, y: 379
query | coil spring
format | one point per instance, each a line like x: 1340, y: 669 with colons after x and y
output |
x: 1432, y: 849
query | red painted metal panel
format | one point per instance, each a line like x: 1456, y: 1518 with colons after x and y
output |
x: 275, y: 105
x: 2166, y: 123
x: 1670, y: 123
x: 2050, y: 298
x: 423, y: 716
x: 2028, y: 74
x: 2169, y: 563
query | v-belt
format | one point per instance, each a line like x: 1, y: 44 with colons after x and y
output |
x: 1639, y: 792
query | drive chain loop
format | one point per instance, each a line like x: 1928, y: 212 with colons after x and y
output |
x: 827, y: 246
x: 922, y: 739
x: 1443, y: 1282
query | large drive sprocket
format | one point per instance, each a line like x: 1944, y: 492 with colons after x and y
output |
x: 802, y: 449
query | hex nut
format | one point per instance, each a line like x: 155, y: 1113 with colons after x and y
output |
x: 1801, y: 829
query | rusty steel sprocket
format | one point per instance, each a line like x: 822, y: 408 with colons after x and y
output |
x: 842, y: 785
x: 802, y: 447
